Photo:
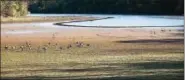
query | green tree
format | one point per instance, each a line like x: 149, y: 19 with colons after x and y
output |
x: 108, y: 6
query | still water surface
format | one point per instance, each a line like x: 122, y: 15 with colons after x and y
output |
x: 126, y: 20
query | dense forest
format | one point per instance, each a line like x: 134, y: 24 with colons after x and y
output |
x: 16, y: 8
x: 168, y: 7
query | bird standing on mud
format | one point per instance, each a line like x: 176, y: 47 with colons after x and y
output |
x: 44, y: 49
x: 13, y: 47
x: 87, y: 44
x: 162, y: 30
x: 60, y: 48
x: 6, y: 47
x: 79, y: 44
x: 22, y: 48
x: 69, y: 46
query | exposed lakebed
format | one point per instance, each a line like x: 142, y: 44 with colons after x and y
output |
x: 104, y: 21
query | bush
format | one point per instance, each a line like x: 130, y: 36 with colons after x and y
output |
x: 13, y: 8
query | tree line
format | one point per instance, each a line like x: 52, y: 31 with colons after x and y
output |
x: 15, y: 8
x: 168, y: 7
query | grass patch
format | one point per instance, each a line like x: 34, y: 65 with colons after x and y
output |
x: 106, y: 60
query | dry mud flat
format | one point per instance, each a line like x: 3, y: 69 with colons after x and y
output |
x: 113, y: 53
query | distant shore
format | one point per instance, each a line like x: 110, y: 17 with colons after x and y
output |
x: 30, y: 19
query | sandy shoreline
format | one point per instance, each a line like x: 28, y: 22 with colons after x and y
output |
x: 91, y: 34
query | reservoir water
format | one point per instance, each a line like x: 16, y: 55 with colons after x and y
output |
x: 126, y: 20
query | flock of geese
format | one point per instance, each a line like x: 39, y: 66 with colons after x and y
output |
x: 44, y: 48
x: 28, y: 47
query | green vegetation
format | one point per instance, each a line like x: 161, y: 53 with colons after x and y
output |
x: 13, y: 8
x: 108, y: 6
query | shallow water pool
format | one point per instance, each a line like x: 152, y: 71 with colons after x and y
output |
x: 125, y: 20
